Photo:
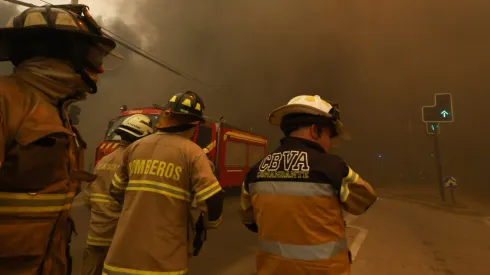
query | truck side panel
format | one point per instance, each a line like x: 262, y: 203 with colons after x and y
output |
x: 238, y: 151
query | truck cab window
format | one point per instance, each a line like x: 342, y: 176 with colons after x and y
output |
x: 204, y: 136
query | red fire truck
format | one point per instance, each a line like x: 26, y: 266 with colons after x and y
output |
x: 233, y: 151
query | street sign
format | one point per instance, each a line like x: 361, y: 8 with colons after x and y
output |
x: 450, y: 182
x: 432, y: 128
x: 441, y: 111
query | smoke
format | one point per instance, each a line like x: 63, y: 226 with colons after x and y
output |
x: 381, y: 60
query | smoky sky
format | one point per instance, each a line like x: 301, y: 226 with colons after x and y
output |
x: 381, y: 60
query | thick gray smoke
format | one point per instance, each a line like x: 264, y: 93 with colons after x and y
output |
x: 380, y: 59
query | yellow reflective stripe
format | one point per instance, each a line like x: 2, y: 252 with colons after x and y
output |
x: 160, y: 188
x: 112, y: 270
x: 33, y: 209
x: 344, y: 191
x: 117, y: 185
x: 103, y: 145
x: 215, y: 223
x: 99, y: 238
x: 103, y: 200
x: 34, y: 203
x: 99, y: 197
x: 117, y: 178
x: 97, y: 241
x: 207, y: 192
x: 115, y: 145
x: 351, y: 177
x: 36, y: 196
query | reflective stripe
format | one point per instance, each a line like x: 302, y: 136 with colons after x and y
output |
x: 34, y: 203
x: 118, y: 183
x: 117, y: 178
x: 103, y: 145
x: 207, y: 192
x: 112, y: 270
x: 99, y: 197
x: 215, y: 223
x: 291, y: 188
x: 352, y: 177
x: 96, y: 241
x: 160, y: 188
x: 344, y: 192
x: 303, y: 252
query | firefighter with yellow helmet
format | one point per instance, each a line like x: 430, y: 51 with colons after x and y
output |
x: 159, y: 178
x: 105, y: 210
x: 293, y: 198
x: 57, y: 52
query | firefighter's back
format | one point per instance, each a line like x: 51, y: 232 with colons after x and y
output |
x: 152, y: 232
x: 297, y: 211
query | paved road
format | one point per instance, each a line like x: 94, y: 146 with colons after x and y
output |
x: 394, y: 237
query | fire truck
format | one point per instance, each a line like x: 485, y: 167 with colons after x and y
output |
x: 233, y: 151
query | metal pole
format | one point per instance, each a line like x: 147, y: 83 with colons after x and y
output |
x: 438, y: 166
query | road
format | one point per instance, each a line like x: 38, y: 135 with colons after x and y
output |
x: 393, y: 237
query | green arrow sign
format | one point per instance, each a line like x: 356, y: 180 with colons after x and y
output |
x: 444, y: 113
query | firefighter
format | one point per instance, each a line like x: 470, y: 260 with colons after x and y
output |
x: 294, y: 196
x: 104, y: 209
x: 156, y: 183
x: 57, y: 52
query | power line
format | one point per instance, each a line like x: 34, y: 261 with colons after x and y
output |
x: 132, y: 47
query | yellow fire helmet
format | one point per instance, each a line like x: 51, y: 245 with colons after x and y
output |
x: 313, y: 105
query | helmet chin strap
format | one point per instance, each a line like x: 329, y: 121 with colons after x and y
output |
x: 87, y: 79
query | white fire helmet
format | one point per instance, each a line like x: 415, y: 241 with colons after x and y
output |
x: 137, y: 125
x: 314, y: 105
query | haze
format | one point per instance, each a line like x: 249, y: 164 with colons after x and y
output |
x: 381, y: 60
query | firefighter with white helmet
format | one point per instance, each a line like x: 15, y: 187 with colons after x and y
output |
x: 58, y: 53
x: 160, y: 176
x: 299, y: 191
x: 105, y: 210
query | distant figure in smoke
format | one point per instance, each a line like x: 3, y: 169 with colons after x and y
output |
x: 105, y: 211
x: 57, y: 52
x: 299, y: 191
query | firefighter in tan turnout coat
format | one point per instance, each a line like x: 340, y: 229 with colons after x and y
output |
x: 156, y: 184
x: 104, y: 209
x: 57, y: 52
x: 294, y: 197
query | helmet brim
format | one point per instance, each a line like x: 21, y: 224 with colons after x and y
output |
x: 275, y: 117
x: 9, y: 36
x: 165, y: 108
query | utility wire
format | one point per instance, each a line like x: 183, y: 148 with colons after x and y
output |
x: 130, y: 46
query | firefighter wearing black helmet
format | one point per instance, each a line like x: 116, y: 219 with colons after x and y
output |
x: 57, y: 52
x: 161, y: 175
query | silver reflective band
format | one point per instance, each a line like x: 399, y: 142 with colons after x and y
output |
x: 303, y: 252
x: 312, y: 189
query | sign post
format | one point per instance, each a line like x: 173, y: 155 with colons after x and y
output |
x: 432, y: 116
x: 450, y: 182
